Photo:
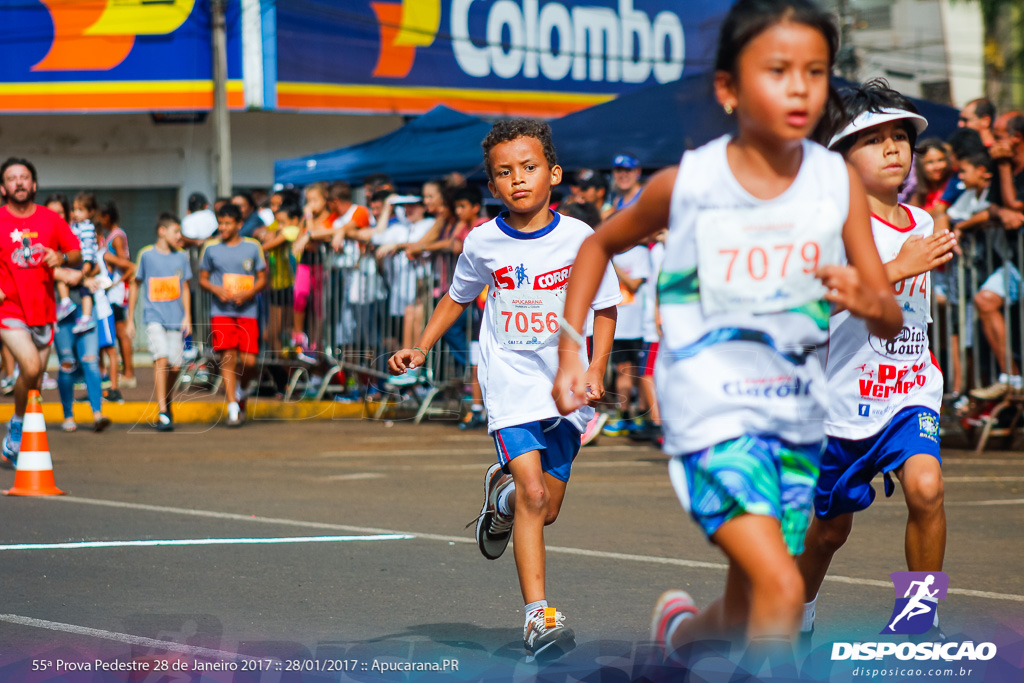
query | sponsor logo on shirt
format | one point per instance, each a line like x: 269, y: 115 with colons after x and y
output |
x: 910, y: 344
x: 248, y: 264
x: 503, y: 277
x: 775, y: 387
x: 892, y: 380
x: 929, y: 426
x: 556, y: 279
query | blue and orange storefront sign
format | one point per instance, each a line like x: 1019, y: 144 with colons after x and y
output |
x: 525, y: 57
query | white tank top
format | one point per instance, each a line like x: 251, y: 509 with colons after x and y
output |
x: 871, y: 379
x: 737, y: 354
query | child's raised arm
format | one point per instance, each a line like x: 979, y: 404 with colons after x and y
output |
x: 646, y: 216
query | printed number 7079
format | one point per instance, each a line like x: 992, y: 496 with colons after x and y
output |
x: 759, y: 264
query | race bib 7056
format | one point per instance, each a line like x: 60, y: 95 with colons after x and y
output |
x: 526, y: 319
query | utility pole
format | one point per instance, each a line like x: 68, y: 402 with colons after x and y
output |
x: 846, y: 60
x: 221, y: 122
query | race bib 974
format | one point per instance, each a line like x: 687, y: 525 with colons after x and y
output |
x: 526, y: 319
x: 763, y: 260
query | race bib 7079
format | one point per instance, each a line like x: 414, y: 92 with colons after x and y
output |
x: 763, y: 260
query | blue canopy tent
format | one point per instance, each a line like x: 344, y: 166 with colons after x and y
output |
x: 657, y: 124
x: 439, y: 142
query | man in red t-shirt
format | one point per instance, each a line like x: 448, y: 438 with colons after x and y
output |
x: 33, y: 241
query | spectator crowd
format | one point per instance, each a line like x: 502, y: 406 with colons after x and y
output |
x: 332, y: 279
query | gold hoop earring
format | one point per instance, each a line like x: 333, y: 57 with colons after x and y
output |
x: 728, y: 109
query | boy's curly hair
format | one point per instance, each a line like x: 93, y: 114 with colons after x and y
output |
x: 506, y: 130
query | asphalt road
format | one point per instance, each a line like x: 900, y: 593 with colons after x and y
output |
x: 405, y: 582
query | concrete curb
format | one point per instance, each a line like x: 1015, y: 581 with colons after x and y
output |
x: 205, y: 412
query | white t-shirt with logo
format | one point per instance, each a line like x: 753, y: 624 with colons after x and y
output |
x: 871, y: 379
x: 526, y: 274
x: 741, y: 310
x: 636, y: 263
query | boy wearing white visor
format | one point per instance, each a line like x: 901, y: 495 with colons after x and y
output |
x: 884, y: 393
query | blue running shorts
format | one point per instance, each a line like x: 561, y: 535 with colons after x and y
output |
x: 557, y: 440
x: 849, y: 465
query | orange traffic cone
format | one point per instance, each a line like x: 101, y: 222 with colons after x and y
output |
x: 35, y: 468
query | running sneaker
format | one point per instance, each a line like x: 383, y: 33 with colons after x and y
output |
x: 11, y: 445
x: 7, y: 385
x: 164, y: 423
x: 545, y: 635
x: 648, y: 431
x: 671, y: 608
x: 235, y: 416
x: 475, y: 419
x: 407, y: 378
x: 100, y: 423
x: 619, y: 427
x: 65, y: 309
x: 83, y: 324
x: 594, y: 428
x: 991, y: 392
x: 493, y: 529
x: 113, y: 395
x: 128, y: 382
x: 49, y: 383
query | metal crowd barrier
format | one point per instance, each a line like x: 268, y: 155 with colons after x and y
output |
x: 360, y: 310
x: 958, y: 340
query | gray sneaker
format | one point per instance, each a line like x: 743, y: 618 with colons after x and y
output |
x: 493, y: 529
x: 545, y: 635
x: 991, y: 392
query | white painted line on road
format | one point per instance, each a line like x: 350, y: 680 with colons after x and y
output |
x: 482, y: 451
x: 352, y: 477
x: 75, y: 545
x: 981, y: 461
x: 971, y: 480
x: 676, y: 562
x: 126, y: 638
x: 973, y: 503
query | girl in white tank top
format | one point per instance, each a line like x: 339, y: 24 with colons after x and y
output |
x: 759, y: 220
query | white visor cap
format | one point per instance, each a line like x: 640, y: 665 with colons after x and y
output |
x: 874, y: 118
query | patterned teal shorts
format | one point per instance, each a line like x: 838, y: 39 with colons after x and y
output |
x: 755, y: 475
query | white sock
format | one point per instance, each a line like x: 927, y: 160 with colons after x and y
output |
x: 503, y: 507
x: 65, y: 301
x: 477, y: 408
x: 233, y: 410
x: 16, y: 419
x: 1004, y: 378
x: 1015, y: 381
x: 808, y: 622
x: 240, y: 392
x: 533, y: 607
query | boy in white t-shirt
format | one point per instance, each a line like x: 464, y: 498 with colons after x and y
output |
x: 884, y: 393
x: 525, y: 257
